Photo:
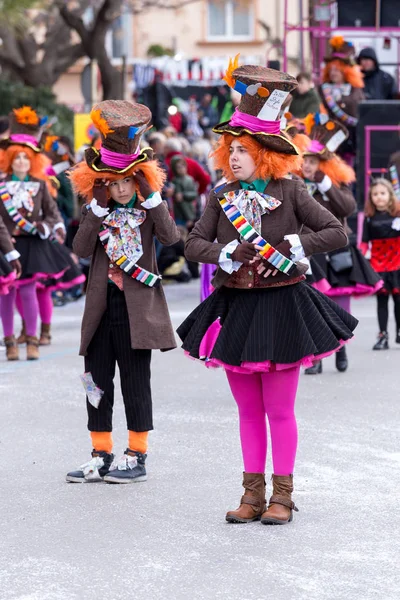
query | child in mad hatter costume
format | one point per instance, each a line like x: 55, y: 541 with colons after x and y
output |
x: 30, y: 215
x: 126, y: 315
x: 346, y: 272
x: 263, y: 321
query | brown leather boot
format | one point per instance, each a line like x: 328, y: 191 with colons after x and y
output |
x: 32, y: 347
x: 22, y: 336
x: 252, y: 503
x: 280, y: 508
x: 45, y: 337
x: 12, y: 352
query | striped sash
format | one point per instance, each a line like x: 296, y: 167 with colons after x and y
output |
x: 394, y: 176
x: 14, y: 214
x: 249, y: 234
x: 129, y: 267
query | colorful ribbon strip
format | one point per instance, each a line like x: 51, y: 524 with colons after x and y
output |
x: 337, y: 111
x: 14, y: 214
x: 248, y: 233
x: 394, y: 176
x: 129, y: 267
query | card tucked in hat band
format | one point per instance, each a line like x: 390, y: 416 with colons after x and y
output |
x: 249, y: 234
x: 14, y: 214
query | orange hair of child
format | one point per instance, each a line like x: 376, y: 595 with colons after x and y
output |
x: 83, y: 177
x: 351, y: 74
x: 39, y: 162
x: 338, y: 171
x: 269, y: 164
x: 393, y: 206
x: 302, y: 141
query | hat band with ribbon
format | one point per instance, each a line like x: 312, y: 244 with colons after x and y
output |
x: 23, y: 138
x: 116, y: 159
x: 254, y: 124
x: 315, y: 147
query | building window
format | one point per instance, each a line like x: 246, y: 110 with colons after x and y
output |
x: 230, y: 20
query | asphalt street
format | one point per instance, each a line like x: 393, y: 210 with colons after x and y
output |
x: 167, y: 539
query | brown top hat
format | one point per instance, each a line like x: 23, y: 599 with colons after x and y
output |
x: 264, y: 95
x: 26, y: 128
x: 341, y: 49
x: 326, y: 135
x: 121, y: 125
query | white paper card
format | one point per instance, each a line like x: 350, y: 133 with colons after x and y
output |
x: 335, y: 141
x: 271, y: 108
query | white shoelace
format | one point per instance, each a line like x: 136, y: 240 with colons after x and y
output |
x: 91, y: 468
x: 125, y: 463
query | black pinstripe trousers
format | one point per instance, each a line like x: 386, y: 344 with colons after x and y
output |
x: 111, y: 344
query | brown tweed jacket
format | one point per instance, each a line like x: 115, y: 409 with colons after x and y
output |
x: 149, y: 321
x: 298, y: 209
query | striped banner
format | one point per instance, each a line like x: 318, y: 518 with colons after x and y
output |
x: 249, y: 234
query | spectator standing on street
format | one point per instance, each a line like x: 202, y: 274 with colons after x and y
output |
x: 305, y: 98
x: 185, y: 193
x: 379, y: 85
x: 208, y: 114
x: 173, y: 147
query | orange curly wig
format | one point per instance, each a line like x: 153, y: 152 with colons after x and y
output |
x: 269, y: 164
x: 83, y: 177
x: 351, y: 74
x: 338, y: 171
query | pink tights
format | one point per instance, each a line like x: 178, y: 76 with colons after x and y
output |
x: 45, y: 303
x: 274, y: 395
x: 30, y: 309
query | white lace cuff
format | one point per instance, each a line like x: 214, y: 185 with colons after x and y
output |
x: 152, y: 201
x: 13, y: 255
x: 99, y: 211
x: 396, y: 224
x: 46, y: 233
x: 59, y: 225
x: 325, y: 184
x: 225, y: 261
x: 296, y: 249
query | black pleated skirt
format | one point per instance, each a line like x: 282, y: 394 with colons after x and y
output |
x: 265, y: 329
x: 358, y: 280
x: 39, y: 258
x: 7, y: 275
x: 72, y: 276
x: 391, y: 282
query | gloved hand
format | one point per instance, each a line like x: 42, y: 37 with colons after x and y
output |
x: 100, y: 192
x: 245, y: 253
x: 318, y: 177
x: 144, y: 186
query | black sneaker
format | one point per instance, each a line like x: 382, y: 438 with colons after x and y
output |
x: 398, y: 337
x: 341, y: 360
x: 382, y: 342
x: 316, y: 369
x: 92, y: 471
x: 130, y: 468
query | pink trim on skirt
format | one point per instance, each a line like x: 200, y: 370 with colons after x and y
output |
x: 322, y: 286
x: 63, y: 285
x: 359, y: 290
x: 6, y: 282
x: 19, y: 282
x: 246, y: 368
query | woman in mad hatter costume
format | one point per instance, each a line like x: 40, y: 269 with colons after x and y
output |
x: 30, y: 215
x: 126, y: 315
x: 345, y: 272
x: 263, y: 321
x: 58, y: 154
x: 341, y: 91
